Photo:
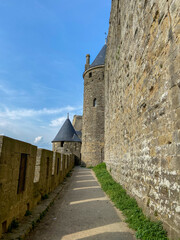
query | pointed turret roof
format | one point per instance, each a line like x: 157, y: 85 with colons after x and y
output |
x: 100, y: 59
x: 67, y: 133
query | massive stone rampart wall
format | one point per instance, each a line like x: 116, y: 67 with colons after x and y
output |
x: 24, y: 183
x: 142, y: 105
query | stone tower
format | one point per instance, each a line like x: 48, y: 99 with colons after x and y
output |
x: 68, y: 139
x: 93, y: 110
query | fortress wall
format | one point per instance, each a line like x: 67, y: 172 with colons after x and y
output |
x: 44, y: 185
x: 142, y: 105
x: 26, y: 175
x: 77, y: 122
x: 15, y: 193
x: 69, y: 147
x: 74, y: 147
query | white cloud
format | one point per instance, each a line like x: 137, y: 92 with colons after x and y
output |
x: 38, y: 139
x: 57, y: 122
x: 21, y: 113
x: 29, y: 124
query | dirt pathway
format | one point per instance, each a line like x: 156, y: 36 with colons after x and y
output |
x: 82, y: 211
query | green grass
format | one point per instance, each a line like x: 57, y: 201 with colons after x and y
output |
x: 144, y: 227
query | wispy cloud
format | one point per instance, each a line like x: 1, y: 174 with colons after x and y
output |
x: 34, y: 126
x: 6, y: 90
x: 57, y: 122
x: 24, y: 113
x: 38, y: 139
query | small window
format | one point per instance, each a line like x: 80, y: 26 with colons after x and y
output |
x: 22, y: 173
x: 90, y: 74
x: 94, y: 102
x: 62, y: 144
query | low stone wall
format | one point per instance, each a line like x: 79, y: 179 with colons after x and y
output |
x: 27, y: 174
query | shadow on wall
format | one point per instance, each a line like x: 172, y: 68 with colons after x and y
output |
x: 27, y: 175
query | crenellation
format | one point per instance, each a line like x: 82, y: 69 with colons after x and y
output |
x: 39, y: 179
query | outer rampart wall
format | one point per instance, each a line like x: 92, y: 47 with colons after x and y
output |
x: 26, y: 175
x: 142, y: 105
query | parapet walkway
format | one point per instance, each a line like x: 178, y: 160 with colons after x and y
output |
x: 82, y: 211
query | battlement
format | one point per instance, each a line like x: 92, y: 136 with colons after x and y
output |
x: 26, y: 175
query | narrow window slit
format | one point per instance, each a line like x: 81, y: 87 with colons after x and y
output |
x: 94, y: 102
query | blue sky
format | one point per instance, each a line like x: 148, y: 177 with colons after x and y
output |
x: 43, y: 44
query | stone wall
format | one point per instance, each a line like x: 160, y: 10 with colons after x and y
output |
x: 77, y: 122
x: 93, y: 117
x: 26, y: 175
x: 142, y: 105
x: 69, y: 148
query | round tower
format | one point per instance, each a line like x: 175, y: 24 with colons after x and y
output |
x: 68, y: 139
x: 93, y: 110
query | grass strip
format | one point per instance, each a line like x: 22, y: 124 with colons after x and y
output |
x: 144, y: 227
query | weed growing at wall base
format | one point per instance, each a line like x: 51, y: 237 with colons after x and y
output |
x: 45, y: 196
x: 144, y: 227
x: 28, y: 213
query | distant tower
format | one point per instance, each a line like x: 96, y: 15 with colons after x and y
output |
x: 92, y: 150
x: 68, y: 140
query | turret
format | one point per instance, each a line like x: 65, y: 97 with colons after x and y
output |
x: 93, y: 110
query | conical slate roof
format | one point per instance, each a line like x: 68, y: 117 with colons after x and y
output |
x: 100, y: 59
x: 67, y: 133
